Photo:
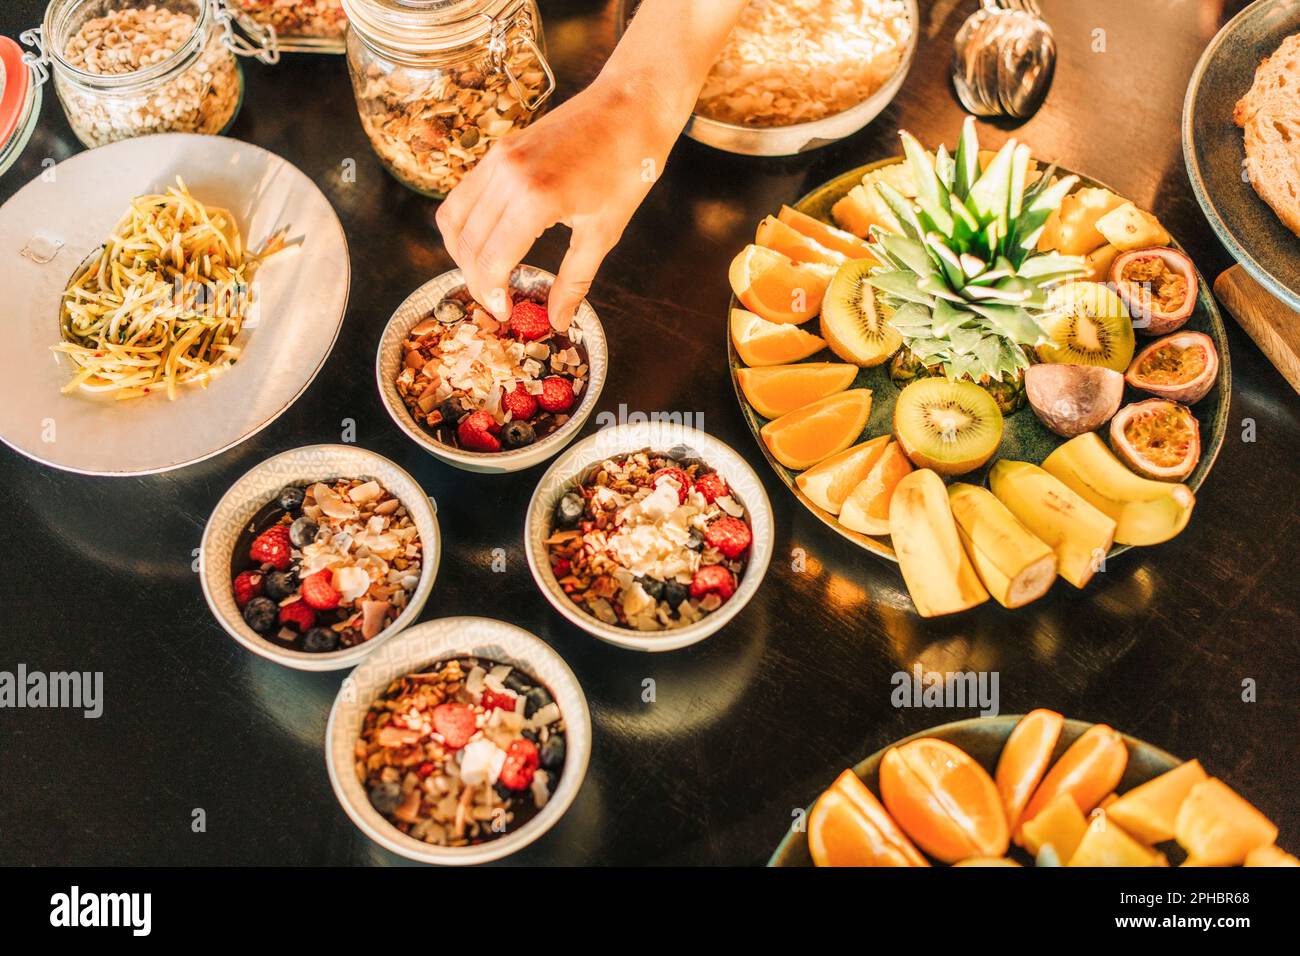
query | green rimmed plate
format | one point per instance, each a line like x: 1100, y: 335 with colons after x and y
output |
x: 1024, y: 437
x: 983, y: 738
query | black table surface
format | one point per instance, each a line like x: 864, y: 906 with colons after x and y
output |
x: 745, y: 727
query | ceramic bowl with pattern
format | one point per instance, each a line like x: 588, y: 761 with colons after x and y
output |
x: 416, y: 649
x: 418, y: 306
x: 251, y: 493
x: 659, y: 436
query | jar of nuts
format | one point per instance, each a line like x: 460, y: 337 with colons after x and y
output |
x: 301, y: 26
x: 126, y: 68
x: 438, y: 82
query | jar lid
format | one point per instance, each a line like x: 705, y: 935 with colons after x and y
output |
x: 16, y: 89
x: 417, y: 27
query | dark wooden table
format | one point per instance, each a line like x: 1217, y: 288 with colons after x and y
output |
x: 754, y: 722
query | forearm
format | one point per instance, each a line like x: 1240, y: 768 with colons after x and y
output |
x: 668, y: 49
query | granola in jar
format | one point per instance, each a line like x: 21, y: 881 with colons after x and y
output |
x: 435, y: 95
x: 649, y: 541
x: 461, y: 752
x: 136, y: 70
x: 327, y: 564
x: 481, y: 385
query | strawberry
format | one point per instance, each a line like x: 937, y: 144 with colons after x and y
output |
x: 713, y: 578
x: 520, y: 765
x: 298, y: 615
x: 712, y: 487
x: 677, y: 475
x: 247, y: 586
x: 498, y: 699
x: 557, y: 394
x: 318, y: 590
x: 729, y: 535
x: 456, y: 724
x: 478, y: 432
x: 529, y: 321
x: 519, y: 403
x: 272, y: 547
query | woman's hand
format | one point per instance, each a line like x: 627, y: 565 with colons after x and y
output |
x: 587, y: 164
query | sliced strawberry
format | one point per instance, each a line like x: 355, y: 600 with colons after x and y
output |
x: 456, y: 723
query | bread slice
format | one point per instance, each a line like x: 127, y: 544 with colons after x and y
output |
x: 1270, y: 115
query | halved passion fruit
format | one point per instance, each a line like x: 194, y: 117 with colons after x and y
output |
x: 1158, y: 285
x: 1157, y: 438
x: 1181, y: 367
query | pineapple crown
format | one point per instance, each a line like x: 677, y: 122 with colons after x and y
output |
x: 964, y: 277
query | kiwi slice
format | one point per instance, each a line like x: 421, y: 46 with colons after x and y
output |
x: 853, y: 320
x: 949, y: 427
x: 1088, y: 325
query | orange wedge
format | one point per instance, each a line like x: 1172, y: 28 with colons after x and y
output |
x: 1087, y: 771
x: 824, y: 233
x: 849, y: 827
x: 1024, y: 760
x: 779, y: 237
x: 829, y: 425
x: 778, y: 389
x: 760, y: 342
x: 944, y: 800
x: 776, y: 287
x: 828, y: 483
x: 866, y: 509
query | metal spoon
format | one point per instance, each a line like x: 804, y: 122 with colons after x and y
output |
x: 1003, y: 59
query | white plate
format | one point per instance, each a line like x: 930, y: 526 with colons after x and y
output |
x: 304, y: 293
x: 428, y: 643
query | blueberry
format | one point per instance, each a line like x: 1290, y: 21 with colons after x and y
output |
x: 569, y: 510
x: 290, y: 499
x: 695, y: 540
x: 452, y: 410
x: 552, y: 752
x: 386, y: 797
x: 260, y: 614
x: 504, y: 792
x: 535, y: 700
x: 678, y: 452
x: 518, y: 434
x: 302, y: 532
x: 674, y: 593
x: 517, y: 682
x: 653, y: 587
x: 320, y: 640
x: 278, y: 585
x: 530, y: 735
x: 449, y: 311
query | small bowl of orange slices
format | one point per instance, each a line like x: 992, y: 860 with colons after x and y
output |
x: 1033, y: 790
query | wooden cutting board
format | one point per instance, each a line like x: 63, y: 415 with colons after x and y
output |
x: 1274, y: 327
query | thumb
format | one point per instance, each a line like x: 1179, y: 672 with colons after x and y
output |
x: 573, y: 282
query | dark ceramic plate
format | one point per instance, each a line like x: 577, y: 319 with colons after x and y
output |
x: 983, y: 738
x: 1214, y: 149
x: 1024, y: 438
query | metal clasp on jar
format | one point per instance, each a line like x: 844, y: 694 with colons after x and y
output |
x: 252, y: 38
x: 500, y: 48
x: 39, y: 61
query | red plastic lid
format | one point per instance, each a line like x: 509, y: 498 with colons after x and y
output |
x: 15, y: 89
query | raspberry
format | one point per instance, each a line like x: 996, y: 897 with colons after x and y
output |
x: 529, y: 321
x: 712, y: 487
x: 520, y: 765
x: 677, y: 475
x: 478, y: 432
x: 729, y: 535
x: 318, y: 590
x: 561, y: 567
x: 557, y: 394
x: 273, y: 547
x: 456, y: 724
x: 298, y: 615
x: 713, y: 578
x: 498, y: 699
x: 519, y: 403
x: 247, y: 586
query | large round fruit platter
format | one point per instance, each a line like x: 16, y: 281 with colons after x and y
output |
x: 992, y: 372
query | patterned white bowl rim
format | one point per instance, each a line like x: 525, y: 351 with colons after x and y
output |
x: 658, y: 436
x: 258, y: 486
x: 436, y: 641
x: 419, y: 304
